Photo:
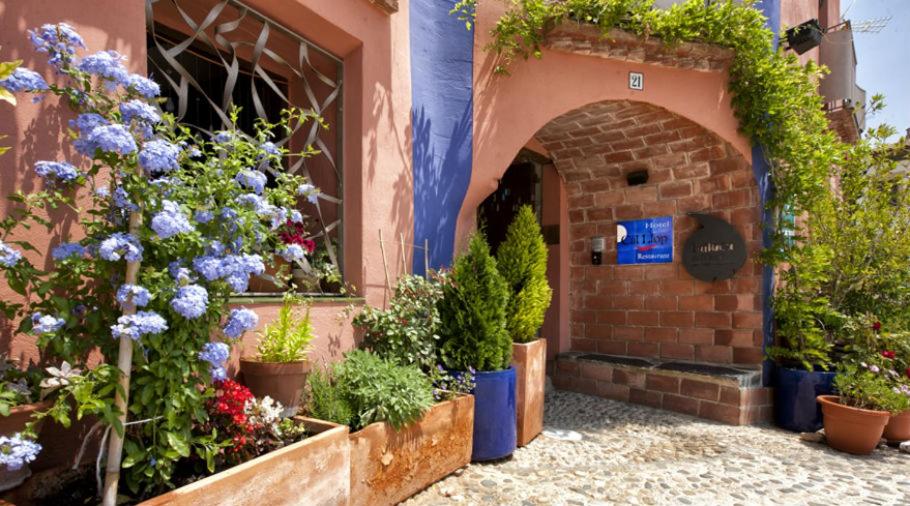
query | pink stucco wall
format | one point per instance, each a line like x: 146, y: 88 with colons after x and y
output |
x: 376, y: 122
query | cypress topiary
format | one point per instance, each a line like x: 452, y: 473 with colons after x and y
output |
x: 522, y: 261
x: 472, y: 313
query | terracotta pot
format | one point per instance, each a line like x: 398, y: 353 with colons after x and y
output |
x: 282, y: 381
x: 530, y: 362
x: 315, y: 471
x: 898, y: 428
x: 388, y: 465
x: 850, y: 429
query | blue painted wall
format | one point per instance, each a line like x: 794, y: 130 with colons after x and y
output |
x: 760, y: 166
x: 442, y: 58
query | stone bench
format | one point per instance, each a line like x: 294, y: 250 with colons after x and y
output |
x: 724, y: 394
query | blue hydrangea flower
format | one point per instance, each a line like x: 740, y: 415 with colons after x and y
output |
x: 122, y: 200
x: 251, y: 179
x: 143, y: 86
x: 112, y: 139
x: 86, y: 122
x: 59, y: 41
x: 309, y: 191
x: 191, y: 301
x: 159, y: 156
x: 170, y: 221
x: 46, y: 324
x: 56, y: 171
x: 291, y: 252
x: 295, y: 216
x: 120, y: 245
x: 139, y: 110
x: 137, y: 325
x: 270, y: 148
x: 203, y: 216
x: 23, y: 79
x: 253, y: 201
x: 133, y: 294
x: 9, y: 257
x: 216, y: 354
x: 277, y: 216
x: 107, y: 65
x: 222, y: 137
x: 240, y: 321
x: 218, y: 373
x: 17, y: 451
x: 68, y: 250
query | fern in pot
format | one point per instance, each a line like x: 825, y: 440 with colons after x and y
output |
x: 280, y: 366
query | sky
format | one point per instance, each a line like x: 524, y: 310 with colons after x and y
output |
x: 883, y: 59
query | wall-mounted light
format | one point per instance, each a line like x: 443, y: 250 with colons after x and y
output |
x: 598, y: 243
x: 805, y: 36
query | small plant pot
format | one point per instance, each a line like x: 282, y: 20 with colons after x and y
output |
x: 898, y: 428
x: 849, y: 429
x: 282, y: 381
x: 494, y: 415
x: 530, y: 363
x: 795, y: 391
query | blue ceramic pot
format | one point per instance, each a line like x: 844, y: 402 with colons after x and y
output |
x: 795, y: 391
x: 494, y: 415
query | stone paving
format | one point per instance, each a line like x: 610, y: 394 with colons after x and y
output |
x: 597, y: 451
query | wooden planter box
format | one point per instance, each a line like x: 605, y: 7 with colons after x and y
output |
x: 530, y: 362
x: 388, y: 466
x: 315, y: 471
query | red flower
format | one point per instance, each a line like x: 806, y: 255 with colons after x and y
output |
x: 889, y: 354
x: 907, y: 372
x: 877, y: 326
x: 309, y: 245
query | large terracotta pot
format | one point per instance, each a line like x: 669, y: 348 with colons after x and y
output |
x: 850, y: 429
x: 530, y: 363
x: 9, y: 425
x: 388, y: 465
x: 315, y: 471
x: 282, y: 381
x: 898, y: 428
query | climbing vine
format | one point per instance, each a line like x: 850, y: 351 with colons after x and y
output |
x: 775, y: 99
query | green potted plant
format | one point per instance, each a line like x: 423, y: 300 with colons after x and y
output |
x: 280, y: 366
x: 522, y: 261
x: 855, y: 419
x: 474, y: 338
x: 402, y: 439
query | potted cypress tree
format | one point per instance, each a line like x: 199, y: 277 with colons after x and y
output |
x: 522, y: 261
x: 473, y: 337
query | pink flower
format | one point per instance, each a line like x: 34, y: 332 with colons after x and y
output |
x: 889, y: 354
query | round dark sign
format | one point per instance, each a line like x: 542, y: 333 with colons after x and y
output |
x: 714, y: 251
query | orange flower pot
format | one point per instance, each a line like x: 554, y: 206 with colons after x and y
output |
x: 849, y: 429
x: 898, y: 428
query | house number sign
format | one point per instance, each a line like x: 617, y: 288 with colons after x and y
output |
x: 714, y: 251
x: 636, y: 81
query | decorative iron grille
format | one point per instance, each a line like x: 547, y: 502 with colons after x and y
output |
x: 211, y: 55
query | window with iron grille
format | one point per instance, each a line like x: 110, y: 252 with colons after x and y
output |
x: 212, y: 55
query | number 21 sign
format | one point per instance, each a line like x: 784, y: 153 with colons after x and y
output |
x: 636, y: 81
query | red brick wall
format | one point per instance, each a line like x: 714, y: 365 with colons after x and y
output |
x: 655, y: 310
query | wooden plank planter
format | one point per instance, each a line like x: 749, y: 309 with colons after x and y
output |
x: 530, y: 362
x: 388, y: 466
x: 315, y: 471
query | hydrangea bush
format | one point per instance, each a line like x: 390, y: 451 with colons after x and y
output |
x: 197, y: 216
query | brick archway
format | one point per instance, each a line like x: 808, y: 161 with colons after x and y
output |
x: 655, y: 311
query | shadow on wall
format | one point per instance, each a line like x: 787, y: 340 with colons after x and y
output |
x: 440, y: 184
x: 35, y: 130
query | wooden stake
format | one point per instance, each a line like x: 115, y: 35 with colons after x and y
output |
x: 426, y: 257
x: 121, y: 401
x: 385, y: 265
x: 404, y: 255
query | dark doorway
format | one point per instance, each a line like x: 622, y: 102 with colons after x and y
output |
x: 520, y: 185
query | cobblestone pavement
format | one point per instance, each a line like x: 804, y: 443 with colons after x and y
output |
x: 596, y: 451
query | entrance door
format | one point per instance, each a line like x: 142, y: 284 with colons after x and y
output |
x: 520, y: 185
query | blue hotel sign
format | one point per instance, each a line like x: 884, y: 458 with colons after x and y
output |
x: 647, y: 241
